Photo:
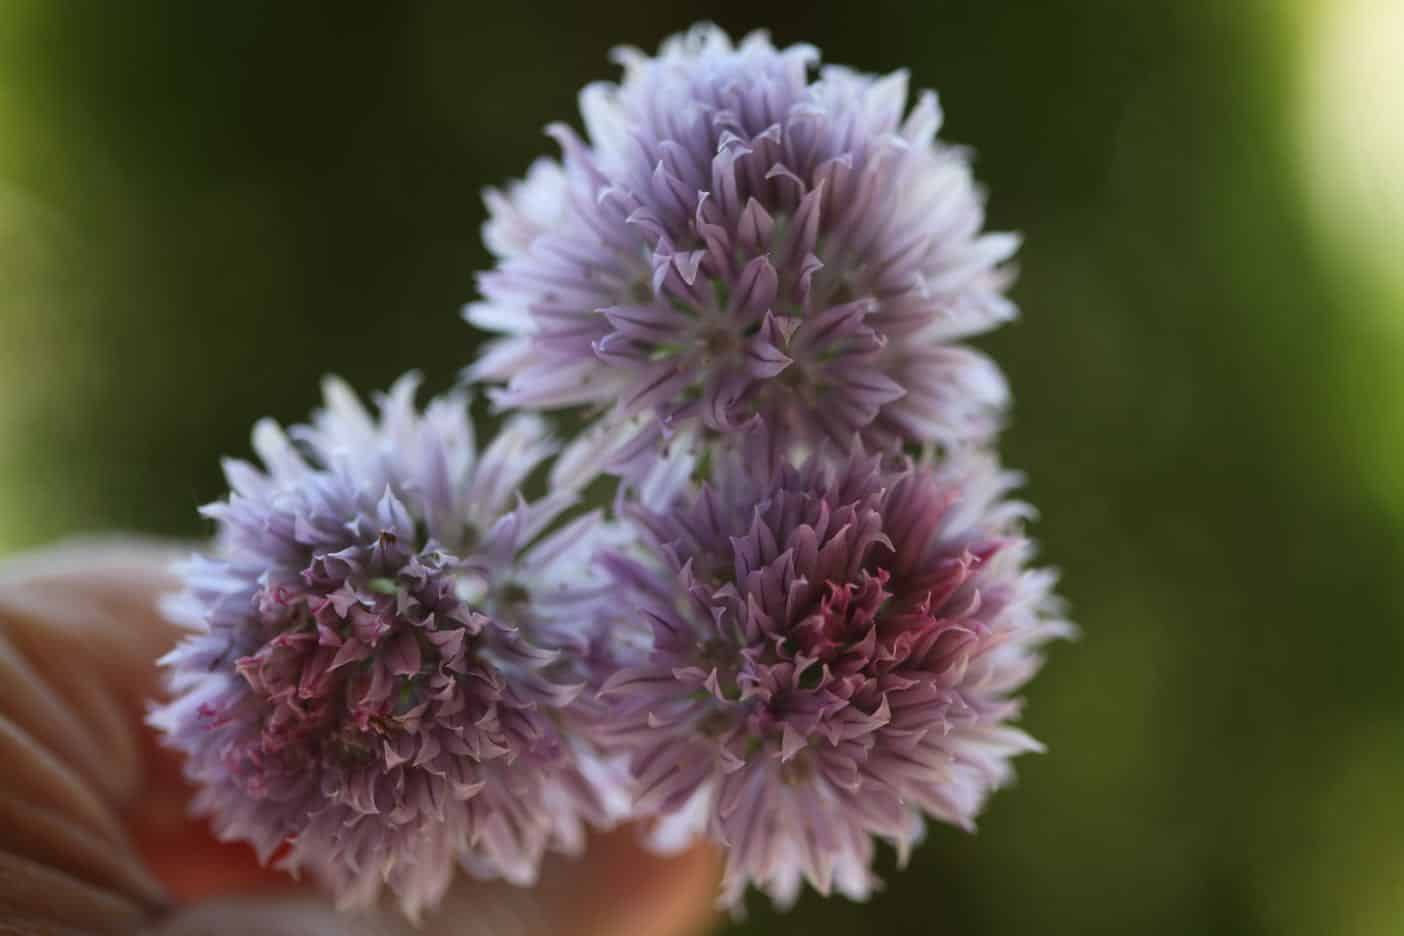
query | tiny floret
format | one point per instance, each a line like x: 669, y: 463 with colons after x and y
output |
x: 379, y: 676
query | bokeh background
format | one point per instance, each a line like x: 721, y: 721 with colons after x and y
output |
x: 204, y: 207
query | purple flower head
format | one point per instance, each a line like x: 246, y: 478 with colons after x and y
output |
x: 377, y: 679
x: 733, y: 238
x: 822, y: 655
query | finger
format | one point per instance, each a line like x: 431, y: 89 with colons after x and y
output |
x: 616, y: 888
x: 40, y: 900
x: 78, y: 636
x: 82, y: 634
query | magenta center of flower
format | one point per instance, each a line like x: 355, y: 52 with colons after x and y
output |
x: 845, y: 620
x: 366, y: 677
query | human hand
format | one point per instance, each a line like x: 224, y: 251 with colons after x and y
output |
x: 94, y: 832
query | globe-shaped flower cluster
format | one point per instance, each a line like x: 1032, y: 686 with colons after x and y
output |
x: 800, y: 626
x: 380, y: 675
x: 734, y: 240
x: 832, y: 650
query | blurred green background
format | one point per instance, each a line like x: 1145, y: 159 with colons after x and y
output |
x: 204, y: 207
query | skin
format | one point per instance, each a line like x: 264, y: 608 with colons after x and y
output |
x: 94, y: 832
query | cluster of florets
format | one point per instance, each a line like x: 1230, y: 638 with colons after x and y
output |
x: 383, y: 664
x: 829, y: 650
x: 736, y: 240
x: 789, y: 635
